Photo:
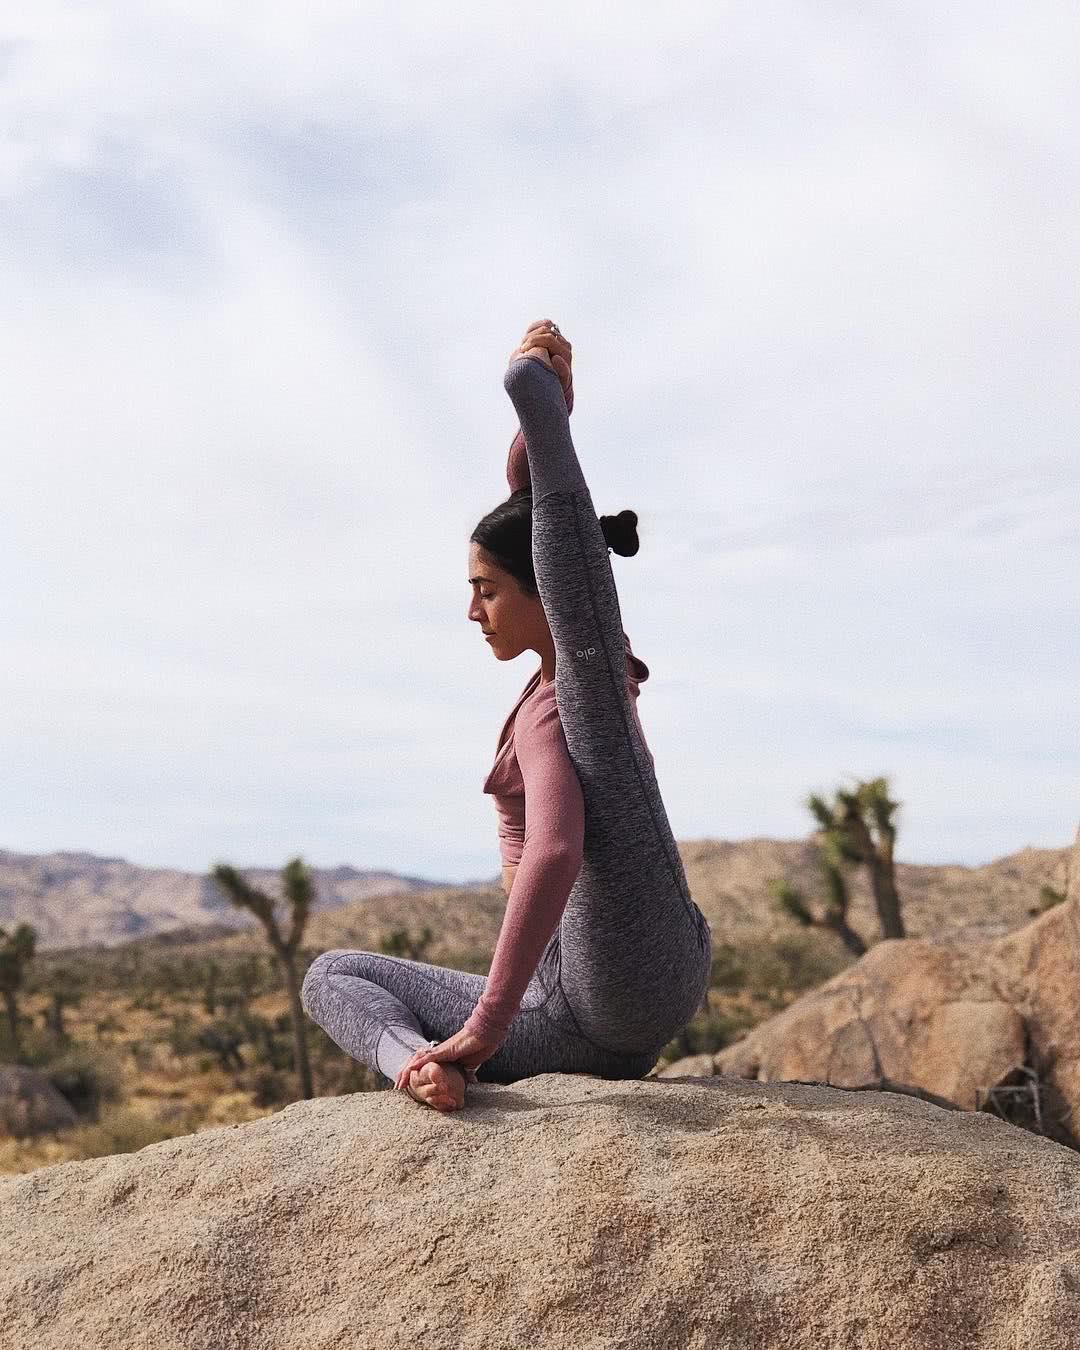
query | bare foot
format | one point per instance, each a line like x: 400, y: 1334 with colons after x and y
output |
x: 441, y: 1086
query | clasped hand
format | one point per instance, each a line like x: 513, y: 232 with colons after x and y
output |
x: 550, y: 348
x: 465, y: 1049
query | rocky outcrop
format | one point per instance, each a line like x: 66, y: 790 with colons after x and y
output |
x: 79, y: 899
x: 730, y: 882
x: 560, y: 1211
x: 957, y: 1020
x: 30, y: 1104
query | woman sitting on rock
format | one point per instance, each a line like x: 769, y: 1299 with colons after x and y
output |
x: 603, y: 956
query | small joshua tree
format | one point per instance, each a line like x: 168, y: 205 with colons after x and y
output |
x: 16, y: 953
x: 299, y: 892
x: 857, y: 827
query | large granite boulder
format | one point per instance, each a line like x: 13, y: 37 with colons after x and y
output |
x: 960, y: 1020
x: 30, y: 1104
x: 563, y: 1211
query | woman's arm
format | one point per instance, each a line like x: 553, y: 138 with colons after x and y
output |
x: 551, y: 859
x: 534, y: 387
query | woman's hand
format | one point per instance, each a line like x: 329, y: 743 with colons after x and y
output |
x: 548, y: 346
x: 465, y: 1049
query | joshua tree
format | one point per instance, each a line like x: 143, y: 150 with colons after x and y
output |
x: 299, y: 892
x: 247, y: 974
x: 223, y: 1039
x: 16, y: 953
x: 64, y: 990
x: 847, y: 835
x: 402, y: 943
x: 210, y: 986
x: 836, y: 904
x: 1048, y: 898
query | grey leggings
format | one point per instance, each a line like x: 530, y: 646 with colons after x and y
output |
x: 628, y: 965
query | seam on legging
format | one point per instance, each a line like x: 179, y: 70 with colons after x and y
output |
x: 389, y: 1031
x: 588, y: 1040
x: 432, y: 979
x: 677, y: 873
x: 577, y: 1025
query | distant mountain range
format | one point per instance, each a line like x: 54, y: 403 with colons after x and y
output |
x: 79, y: 899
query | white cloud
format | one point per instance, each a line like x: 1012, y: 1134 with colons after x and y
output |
x: 262, y: 268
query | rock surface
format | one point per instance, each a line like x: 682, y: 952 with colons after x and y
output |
x: 560, y: 1211
x: 953, y: 1019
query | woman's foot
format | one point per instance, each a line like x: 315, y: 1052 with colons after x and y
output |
x: 441, y: 1086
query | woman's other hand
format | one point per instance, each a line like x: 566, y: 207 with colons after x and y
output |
x: 465, y: 1049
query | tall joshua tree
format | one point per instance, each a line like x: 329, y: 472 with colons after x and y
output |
x: 836, y: 901
x: 857, y: 827
x: 16, y: 953
x: 299, y: 892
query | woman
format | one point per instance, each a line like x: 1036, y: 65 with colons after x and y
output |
x: 602, y: 956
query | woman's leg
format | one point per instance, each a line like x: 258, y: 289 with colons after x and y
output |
x: 380, y: 1009
x: 635, y: 948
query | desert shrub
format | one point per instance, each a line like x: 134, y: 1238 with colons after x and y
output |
x: 340, y: 1074
x: 812, y: 958
x: 708, y: 1032
x: 118, y: 1130
x: 181, y: 1036
x: 89, y: 1076
x: 270, y: 1039
x: 770, y: 967
x: 144, y: 1055
x: 36, y: 1046
x: 223, y: 1037
x: 146, y: 1000
x: 271, y: 1087
x: 402, y: 942
x: 475, y: 960
x: 727, y: 971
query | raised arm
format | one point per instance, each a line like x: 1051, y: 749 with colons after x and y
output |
x: 536, y: 393
x: 570, y: 555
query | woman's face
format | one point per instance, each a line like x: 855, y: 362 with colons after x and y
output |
x: 499, y: 606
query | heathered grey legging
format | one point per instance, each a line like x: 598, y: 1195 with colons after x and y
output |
x: 628, y: 965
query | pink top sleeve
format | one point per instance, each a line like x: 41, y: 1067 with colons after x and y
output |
x: 551, y: 859
x: 517, y: 462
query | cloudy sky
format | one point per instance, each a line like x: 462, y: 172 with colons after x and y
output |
x: 261, y: 269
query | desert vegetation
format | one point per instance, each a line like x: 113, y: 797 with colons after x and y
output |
x: 157, y: 1041
x: 172, y: 1034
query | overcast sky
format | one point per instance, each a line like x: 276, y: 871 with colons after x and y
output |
x: 261, y: 269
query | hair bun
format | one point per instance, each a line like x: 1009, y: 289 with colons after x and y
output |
x: 621, y: 532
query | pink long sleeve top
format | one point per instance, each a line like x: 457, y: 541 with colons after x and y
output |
x: 541, y: 823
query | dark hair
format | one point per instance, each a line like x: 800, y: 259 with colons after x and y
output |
x: 505, y: 534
